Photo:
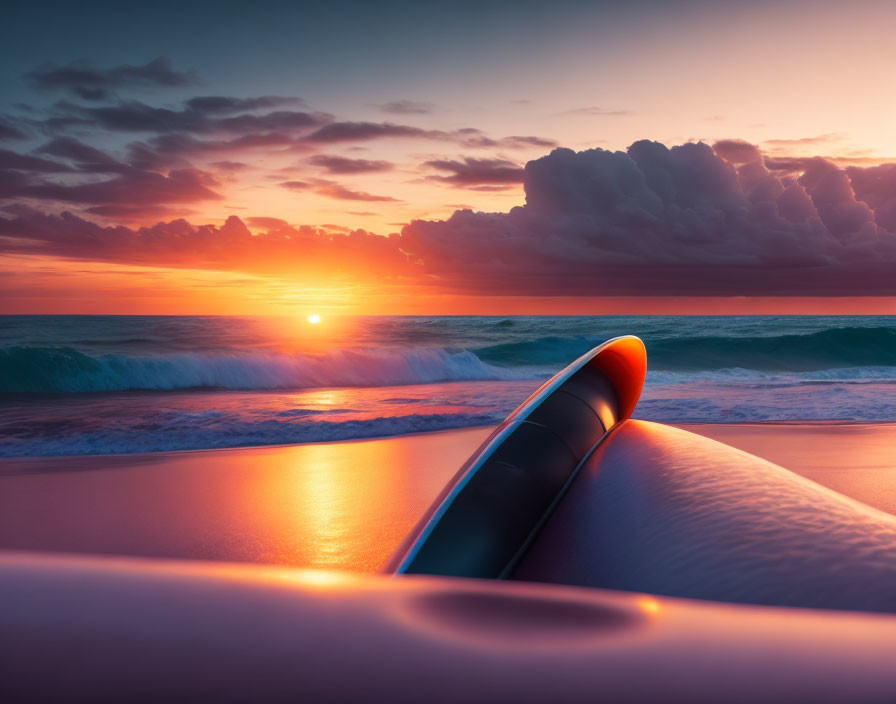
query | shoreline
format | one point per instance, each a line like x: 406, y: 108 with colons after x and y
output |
x: 240, y: 448
x: 343, y: 504
x: 688, y: 425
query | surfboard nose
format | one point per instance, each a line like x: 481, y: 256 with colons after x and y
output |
x: 492, y: 509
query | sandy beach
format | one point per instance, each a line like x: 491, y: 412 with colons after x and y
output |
x: 339, y: 505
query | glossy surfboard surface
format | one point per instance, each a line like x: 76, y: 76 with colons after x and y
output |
x: 489, y: 513
x: 658, y: 509
x: 568, y: 491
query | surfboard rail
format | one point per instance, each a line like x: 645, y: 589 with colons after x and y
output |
x: 494, y: 506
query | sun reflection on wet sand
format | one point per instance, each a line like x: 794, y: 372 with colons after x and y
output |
x: 339, y: 505
x: 355, y: 510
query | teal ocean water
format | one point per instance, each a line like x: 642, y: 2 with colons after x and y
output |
x: 118, y: 384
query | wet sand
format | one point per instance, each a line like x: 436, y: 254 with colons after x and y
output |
x: 344, y: 505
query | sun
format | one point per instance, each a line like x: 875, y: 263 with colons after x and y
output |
x: 314, y: 319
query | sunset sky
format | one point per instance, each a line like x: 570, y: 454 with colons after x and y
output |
x: 405, y: 157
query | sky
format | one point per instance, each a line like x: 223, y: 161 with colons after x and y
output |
x: 447, y: 157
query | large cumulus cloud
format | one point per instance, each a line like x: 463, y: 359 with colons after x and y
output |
x: 686, y: 220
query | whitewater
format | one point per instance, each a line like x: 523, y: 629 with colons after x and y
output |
x: 121, y: 384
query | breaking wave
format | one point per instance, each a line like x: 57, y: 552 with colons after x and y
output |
x: 65, y: 370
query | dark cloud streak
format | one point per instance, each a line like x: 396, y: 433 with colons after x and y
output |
x: 221, y: 105
x: 9, y: 132
x: 471, y: 172
x: 407, y: 107
x: 86, y: 81
x: 337, y: 191
x: 343, y: 165
x: 346, y: 132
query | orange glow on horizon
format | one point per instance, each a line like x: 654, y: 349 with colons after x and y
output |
x: 39, y: 285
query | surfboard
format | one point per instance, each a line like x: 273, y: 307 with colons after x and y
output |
x: 492, y: 509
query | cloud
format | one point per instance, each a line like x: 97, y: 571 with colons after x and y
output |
x: 165, y: 151
x: 737, y: 151
x: 279, y: 120
x: 267, y: 222
x: 280, y: 249
x: 84, y: 157
x: 680, y: 221
x: 785, y: 164
x: 522, y: 142
x: 136, y: 116
x: 132, y: 193
x: 86, y: 81
x: 337, y: 132
x: 219, y: 104
x: 296, y: 185
x: 229, y: 165
x: 331, y: 189
x: 221, y: 125
x: 128, y: 116
x: 835, y: 201
x: 407, y: 107
x: 471, y: 172
x: 876, y: 186
x: 343, y: 165
x: 185, y: 145
x: 13, y: 161
x: 343, y: 132
x: 67, y: 170
x: 474, y: 138
x: 9, y: 132
x: 804, y: 141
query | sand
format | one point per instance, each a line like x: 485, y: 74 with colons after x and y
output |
x: 335, y: 505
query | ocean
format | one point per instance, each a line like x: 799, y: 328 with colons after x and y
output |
x: 75, y: 385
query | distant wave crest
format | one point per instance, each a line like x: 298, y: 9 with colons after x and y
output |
x: 65, y: 370
x: 833, y: 348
